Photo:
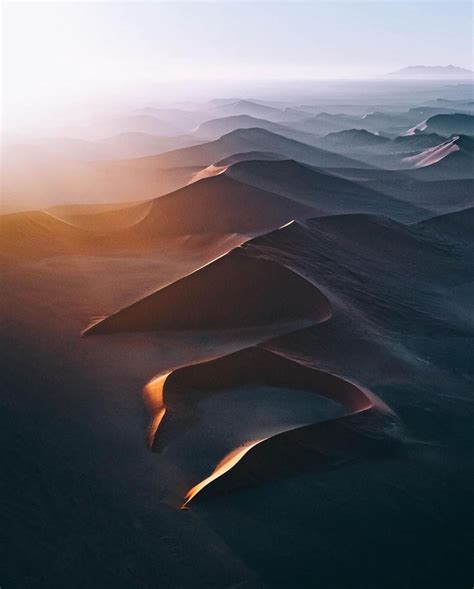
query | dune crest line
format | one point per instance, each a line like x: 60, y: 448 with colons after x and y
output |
x: 184, y: 387
x: 216, y: 297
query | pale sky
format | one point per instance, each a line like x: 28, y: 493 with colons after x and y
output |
x: 75, y: 50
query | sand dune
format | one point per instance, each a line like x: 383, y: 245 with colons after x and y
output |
x: 365, y: 143
x: 391, y: 123
x: 302, y: 314
x: 353, y: 138
x: 246, y: 140
x: 432, y: 155
x: 457, y: 227
x: 436, y: 197
x: 278, y: 292
x: 446, y: 124
x: 249, y: 156
x: 453, y: 161
x: 220, y: 204
x: 325, y: 192
x: 217, y: 127
x: 174, y: 397
x: 208, y: 172
x: 418, y: 128
x: 104, y: 231
x: 32, y: 178
x: 216, y: 297
x: 213, y: 206
x: 37, y: 234
x: 417, y: 141
x: 254, y: 109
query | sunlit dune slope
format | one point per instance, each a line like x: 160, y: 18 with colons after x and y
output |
x: 37, y: 234
x: 432, y: 155
x: 453, y: 160
x: 215, y: 205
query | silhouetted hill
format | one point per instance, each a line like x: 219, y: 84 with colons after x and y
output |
x: 432, y: 72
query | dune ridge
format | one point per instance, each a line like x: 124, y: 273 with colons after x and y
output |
x: 368, y: 427
x: 216, y: 297
x: 209, y: 207
x: 185, y: 386
x: 432, y: 155
x: 323, y: 190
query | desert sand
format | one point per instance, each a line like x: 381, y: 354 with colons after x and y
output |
x: 246, y: 362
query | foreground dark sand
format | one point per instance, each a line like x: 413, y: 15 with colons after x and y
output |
x: 381, y: 500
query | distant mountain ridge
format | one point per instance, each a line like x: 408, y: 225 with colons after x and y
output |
x: 432, y: 72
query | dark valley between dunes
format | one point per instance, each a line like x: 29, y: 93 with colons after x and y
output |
x: 237, y: 344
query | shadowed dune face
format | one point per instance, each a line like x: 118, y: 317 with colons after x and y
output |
x: 457, y: 227
x: 219, y: 204
x: 173, y: 400
x: 448, y: 124
x: 217, y: 296
x: 247, y: 140
x: 328, y: 193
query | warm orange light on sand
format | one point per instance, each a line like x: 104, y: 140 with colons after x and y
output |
x: 208, y: 172
x: 153, y: 397
x: 224, y: 466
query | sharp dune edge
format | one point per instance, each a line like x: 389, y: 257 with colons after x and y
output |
x: 432, y: 155
x: 216, y: 296
x: 305, y: 443
x: 208, y: 172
